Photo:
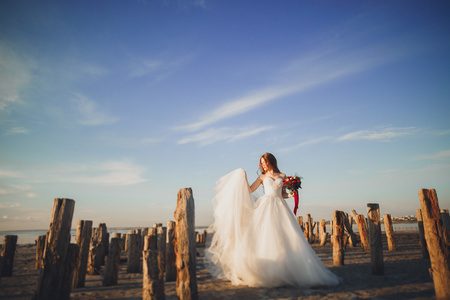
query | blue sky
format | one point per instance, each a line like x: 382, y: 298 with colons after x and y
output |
x: 119, y: 104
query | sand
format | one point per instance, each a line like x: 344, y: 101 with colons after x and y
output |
x: 406, y: 277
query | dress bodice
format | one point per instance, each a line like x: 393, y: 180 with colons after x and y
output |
x: 272, y: 187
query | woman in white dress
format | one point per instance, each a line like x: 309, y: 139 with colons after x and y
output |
x: 259, y: 243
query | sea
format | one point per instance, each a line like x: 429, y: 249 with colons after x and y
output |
x: 30, y: 236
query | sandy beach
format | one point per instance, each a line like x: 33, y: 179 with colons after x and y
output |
x: 406, y: 277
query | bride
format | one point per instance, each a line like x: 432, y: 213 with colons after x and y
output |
x: 259, y: 243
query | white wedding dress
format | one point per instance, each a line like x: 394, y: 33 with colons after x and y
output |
x: 260, y: 243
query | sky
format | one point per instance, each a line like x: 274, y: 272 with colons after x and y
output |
x: 120, y: 104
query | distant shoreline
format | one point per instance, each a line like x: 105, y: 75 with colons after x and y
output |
x: 138, y: 227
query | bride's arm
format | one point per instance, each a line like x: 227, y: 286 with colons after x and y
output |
x: 255, y: 185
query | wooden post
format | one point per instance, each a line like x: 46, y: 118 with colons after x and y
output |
x: 309, y: 221
x: 134, y: 253
x: 389, y: 232
x: 161, y: 249
x: 445, y: 219
x: 151, y: 288
x: 104, y: 242
x: 300, y: 221
x: 423, y: 241
x: 171, y: 268
x: 67, y: 276
x: 186, y: 286
x: 140, y: 238
x: 8, y: 253
x: 83, y: 240
x: 323, y: 233
x: 348, y: 227
x: 376, y: 246
x: 112, y: 263
x: 40, y: 248
x: 95, y: 252
x: 150, y: 239
x: 361, y: 222
x: 338, y: 241
x: 436, y: 237
x: 55, y: 272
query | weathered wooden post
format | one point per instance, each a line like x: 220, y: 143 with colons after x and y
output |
x: 95, y: 252
x: 323, y: 232
x: 150, y: 239
x: 140, y: 238
x: 40, y: 248
x: 8, y: 253
x: 104, y: 241
x: 338, y: 241
x: 423, y: 241
x: 55, y: 274
x: 389, y: 232
x: 376, y: 246
x: 436, y: 237
x: 171, y: 268
x: 445, y: 219
x: 186, y: 285
x: 134, y: 253
x: 300, y: 221
x: 151, y: 288
x: 361, y: 222
x: 348, y: 227
x: 83, y: 240
x: 112, y: 263
x: 309, y: 225
x: 67, y: 277
x: 161, y: 249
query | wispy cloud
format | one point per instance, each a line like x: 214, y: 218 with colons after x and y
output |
x: 317, y: 68
x: 92, y: 70
x: 111, y: 173
x: 223, y: 134
x: 16, y: 131
x: 14, y: 75
x: 443, y: 155
x: 304, y: 144
x: 9, y: 174
x: 157, y: 68
x: 90, y: 113
x: 9, y: 205
x: 380, y: 134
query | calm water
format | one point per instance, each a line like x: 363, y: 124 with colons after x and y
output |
x: 29, y: 236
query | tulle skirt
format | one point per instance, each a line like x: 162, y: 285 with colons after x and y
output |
x: 259, y: 243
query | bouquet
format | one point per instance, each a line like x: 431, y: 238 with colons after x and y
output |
x: 293, y: 183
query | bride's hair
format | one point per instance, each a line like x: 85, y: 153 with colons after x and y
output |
x: 271, y: 160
